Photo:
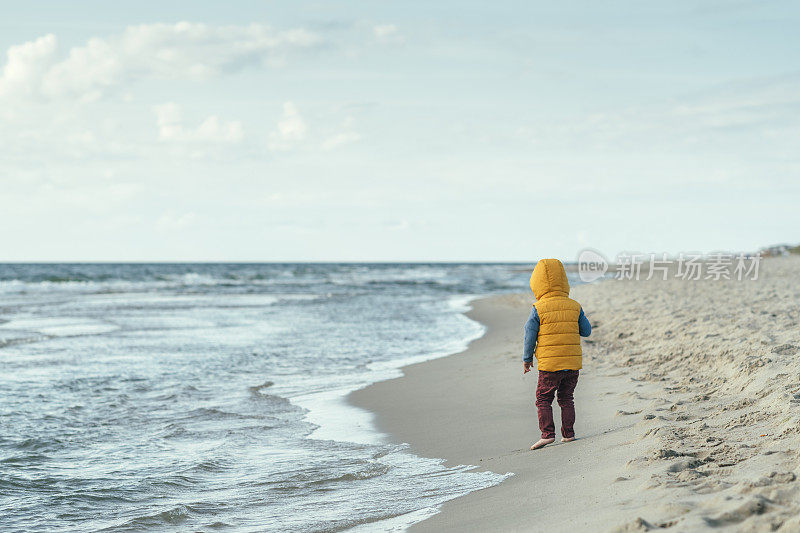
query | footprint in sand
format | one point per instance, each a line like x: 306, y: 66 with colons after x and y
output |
x: 785, y: 349
x: 756, y: 506
x: 684, y: 464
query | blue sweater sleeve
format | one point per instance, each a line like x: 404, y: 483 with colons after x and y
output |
x: 531, y: 333
x: 584, y: 327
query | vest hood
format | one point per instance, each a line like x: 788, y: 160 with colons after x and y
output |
x: 549, y: 279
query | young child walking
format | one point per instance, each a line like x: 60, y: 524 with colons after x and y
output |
x: 553, y: 333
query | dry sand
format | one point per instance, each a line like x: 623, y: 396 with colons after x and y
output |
x: 688, y: 412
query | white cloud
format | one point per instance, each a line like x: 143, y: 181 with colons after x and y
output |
x: 290, y: 131
x: 387, y: 33
x: 212, y: 129
x: 165, y: 51
x: 26, y: 65
x: 340, y: 139
x: 346, y: 136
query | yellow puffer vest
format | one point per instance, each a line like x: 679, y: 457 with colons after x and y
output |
x: 559, y: 344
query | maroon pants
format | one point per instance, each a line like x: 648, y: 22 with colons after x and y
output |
x: 563, y: 382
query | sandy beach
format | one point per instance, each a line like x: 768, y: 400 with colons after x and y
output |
x: 688, y: 411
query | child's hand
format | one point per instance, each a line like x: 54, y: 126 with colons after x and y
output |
x: 526, y: 367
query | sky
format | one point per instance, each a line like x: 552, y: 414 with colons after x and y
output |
x: 396, y: 131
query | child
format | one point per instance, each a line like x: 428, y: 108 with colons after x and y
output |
x: 554, y: 331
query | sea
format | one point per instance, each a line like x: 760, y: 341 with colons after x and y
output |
x: 211, y: 397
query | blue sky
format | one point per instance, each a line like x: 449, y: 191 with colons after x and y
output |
x: 396, y: 130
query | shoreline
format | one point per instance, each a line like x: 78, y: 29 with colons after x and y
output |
x: 495, y: 432
x: 686, y: 411
x: 336, y: 418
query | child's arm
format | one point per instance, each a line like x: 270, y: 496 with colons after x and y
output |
x: 531, y: 333
x: 584, y: 327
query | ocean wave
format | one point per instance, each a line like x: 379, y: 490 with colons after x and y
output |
x: 109, y: 278
x: 361, y: 475
x: 7, y: 340
x: 374, y: 470
x: 211, y: 413
x: 328, y: 475
x: 24, y: 460
x: 60, y: 327
x: 36, y: 444
x: 170, y: 516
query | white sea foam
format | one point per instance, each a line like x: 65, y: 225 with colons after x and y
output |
x: 60, y: 327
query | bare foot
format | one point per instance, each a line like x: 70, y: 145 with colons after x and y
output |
x: 568, y: 439
x: 542, y: 443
